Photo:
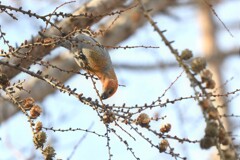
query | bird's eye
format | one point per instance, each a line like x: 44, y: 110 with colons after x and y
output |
x: 110, y: 92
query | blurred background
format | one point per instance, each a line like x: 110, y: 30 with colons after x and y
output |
x: 145, y: 73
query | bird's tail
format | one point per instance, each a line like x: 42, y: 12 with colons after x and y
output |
x: 57, y: 40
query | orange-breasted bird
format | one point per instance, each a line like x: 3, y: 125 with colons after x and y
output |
x: 91, y: 56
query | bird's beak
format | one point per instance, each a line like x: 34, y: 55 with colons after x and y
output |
x: 104, y: 96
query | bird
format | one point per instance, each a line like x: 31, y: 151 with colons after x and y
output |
x: 91, y: 56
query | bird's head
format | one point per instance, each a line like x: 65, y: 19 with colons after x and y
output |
x: 109, y: 88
